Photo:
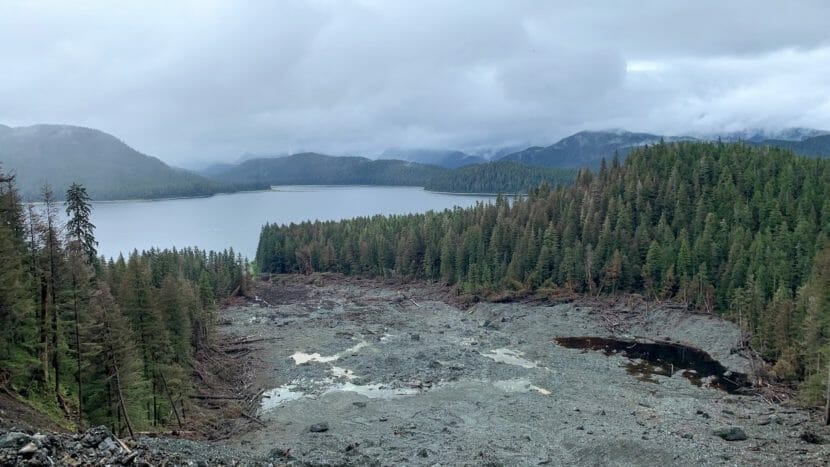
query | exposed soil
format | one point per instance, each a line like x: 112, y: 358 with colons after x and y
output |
x: 16, y: 412
x: 362, y: 372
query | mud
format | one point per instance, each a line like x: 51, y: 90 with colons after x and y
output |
x: 397, y: 375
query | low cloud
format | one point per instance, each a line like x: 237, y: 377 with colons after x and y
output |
x: 209, y: 80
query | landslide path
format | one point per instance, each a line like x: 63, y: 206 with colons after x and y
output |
x: 361, y: 372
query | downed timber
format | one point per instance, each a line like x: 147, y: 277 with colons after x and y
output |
x: 250, y: 341
x: 253, y: 419
x: 212, y: 397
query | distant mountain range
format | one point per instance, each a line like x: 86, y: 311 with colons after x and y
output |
x: 441, y: 158
x: 62, y: 154
x: 817, y: 146
x: 320, y: 169
x: 759, y: 135
x: 588, y: 148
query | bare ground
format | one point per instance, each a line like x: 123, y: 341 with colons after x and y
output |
x: 358, y: 372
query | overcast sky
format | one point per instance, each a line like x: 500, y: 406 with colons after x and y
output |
x: 207, y: 80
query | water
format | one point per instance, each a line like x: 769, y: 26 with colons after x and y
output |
x: 235, y: 220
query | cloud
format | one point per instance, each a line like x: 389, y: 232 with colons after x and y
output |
x: 210, y: 79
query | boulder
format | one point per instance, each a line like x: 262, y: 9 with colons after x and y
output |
x: 732, y: 433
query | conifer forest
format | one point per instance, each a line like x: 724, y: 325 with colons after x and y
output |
x: 101, y: 342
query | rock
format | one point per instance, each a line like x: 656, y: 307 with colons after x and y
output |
x: 107, y: 445
x: 359, y: 404
x: 731, y: 434
x: 703, y: 414
x: 423, y: 452
x: 28, y: 449
x: 415, y: 337
x: 811, y: 437
x: 94, y: 436
x: 14, y: 439
x: 319, y: 427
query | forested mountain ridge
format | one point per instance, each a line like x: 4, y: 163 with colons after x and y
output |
x: 755, y: 135
x: 62, y: 154
x: 587, y: 148
x: 727, y: 228
x: 816, y: 146
x: 318, y: 169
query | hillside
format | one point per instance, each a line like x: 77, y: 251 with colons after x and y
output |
x: 586, y: 148
x: 319, y: 169
x: 63, y: 154
x: 442, y: 158
x: 816, y: 146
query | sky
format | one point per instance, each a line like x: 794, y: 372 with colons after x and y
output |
x: 199, y: 81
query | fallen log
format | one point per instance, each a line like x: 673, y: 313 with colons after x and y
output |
x: 253, y: 419
x: 250, y: 341
x: 211, y: 397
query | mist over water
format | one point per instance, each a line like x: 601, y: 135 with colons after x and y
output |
x: 235, y: 220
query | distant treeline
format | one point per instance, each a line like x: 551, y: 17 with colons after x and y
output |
x: 101, y: 342
x: 498, y: 177
x: 186, y: 188
x: 727, y: 228
x: 316, y: 169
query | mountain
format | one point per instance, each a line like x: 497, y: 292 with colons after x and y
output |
x: 320, y: 169
x: 249, y: 155
x: 442, y: 158
x: 586, y: 148
x: 817, y: 146
x: 62, y: 154
x: 761, y: 134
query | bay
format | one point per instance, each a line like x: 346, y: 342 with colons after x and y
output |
x: 235, y: 220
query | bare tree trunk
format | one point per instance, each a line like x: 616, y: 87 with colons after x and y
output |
x: 827, y: 402
x: 170, y: 398
x: 44, y: 330
x: 78, y: 348
x: 121, y: 400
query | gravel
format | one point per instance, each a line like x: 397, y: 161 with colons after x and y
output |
x: 401, y: 377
